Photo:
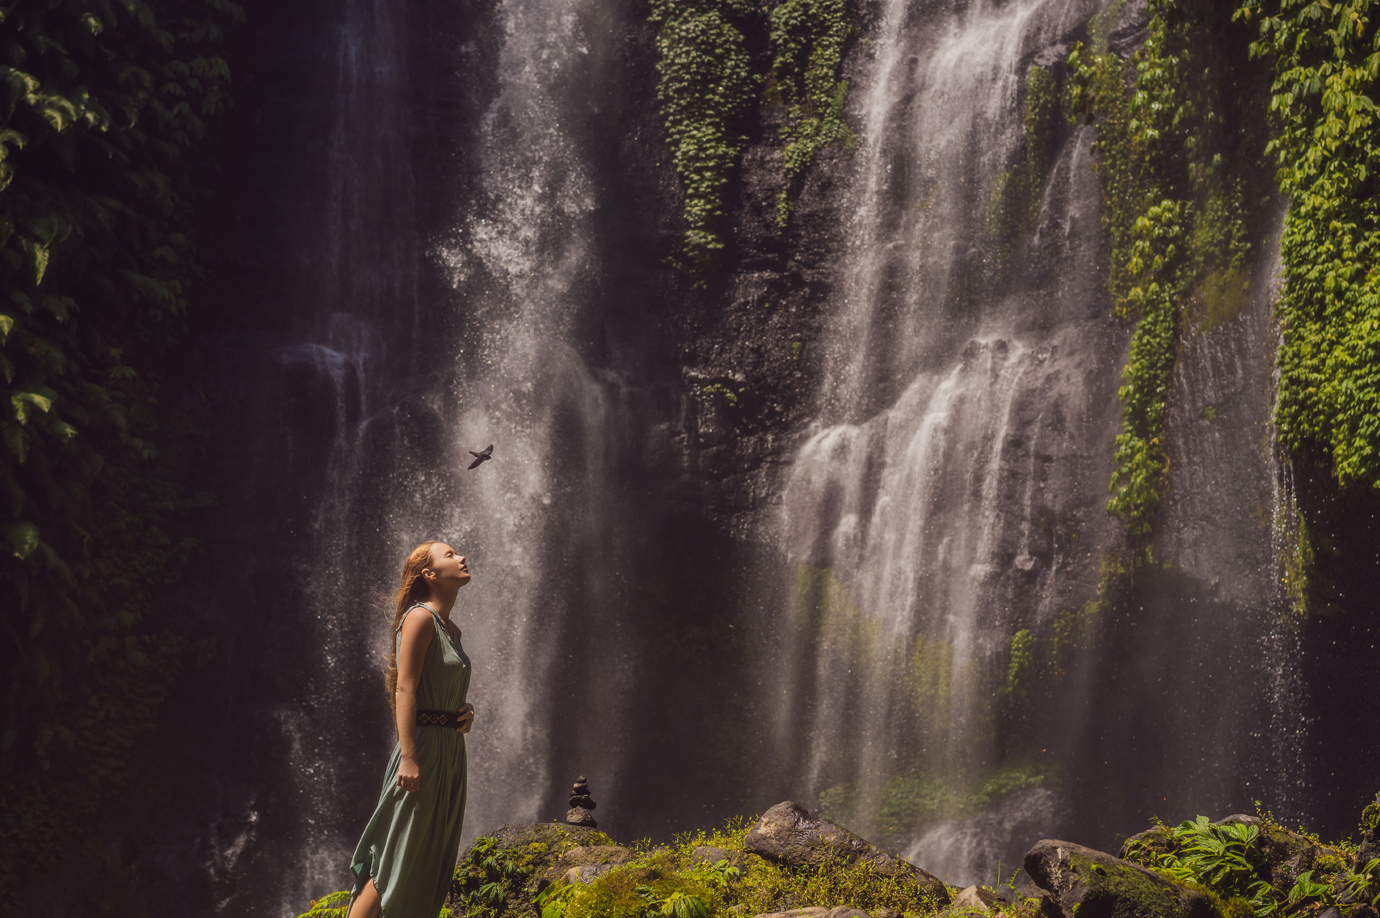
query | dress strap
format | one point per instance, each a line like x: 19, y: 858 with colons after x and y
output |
x: 397, y: 632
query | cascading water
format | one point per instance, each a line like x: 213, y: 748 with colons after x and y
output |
x: 397, y: 392
x: 913, y: 515
x: 951, y: 499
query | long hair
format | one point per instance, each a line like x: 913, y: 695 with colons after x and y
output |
x: 410, y: 592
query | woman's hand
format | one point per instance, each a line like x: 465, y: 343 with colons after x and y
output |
x: 466, y: 713
x: 409, y: 775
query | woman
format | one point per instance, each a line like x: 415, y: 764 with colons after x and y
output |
x: 404, y: 862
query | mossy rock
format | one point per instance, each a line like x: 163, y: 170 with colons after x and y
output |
x: 1086, y: 883
x: 588, y: 856
x: 557, y: 839
x: 1154, y: 840
x: 789, y: 835
x: 1287, y: 854
x: 533, y: 849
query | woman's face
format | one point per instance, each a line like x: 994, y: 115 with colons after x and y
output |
x: 448, y: 565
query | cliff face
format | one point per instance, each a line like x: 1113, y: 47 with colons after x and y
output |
x: 768, y: 531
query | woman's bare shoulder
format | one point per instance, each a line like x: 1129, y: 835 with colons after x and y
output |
x: 416, y: 625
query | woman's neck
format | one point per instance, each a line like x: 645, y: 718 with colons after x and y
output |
x: 442, y: 602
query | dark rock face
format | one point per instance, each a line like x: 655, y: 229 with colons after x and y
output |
x: 789, y: 835
x: 1096, y: 885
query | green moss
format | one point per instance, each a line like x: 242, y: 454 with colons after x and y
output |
x: 1127, y: 893
x: 1022, y: 655
x: 908, y: 800
x: 1077, y: 629
x: 837, y: 625
x: 1015, y: 199
x: 729, y: 395
x: 746, y: 885
x: 1296, y: 555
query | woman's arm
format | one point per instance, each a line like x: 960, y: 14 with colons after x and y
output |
x: 417, y: 632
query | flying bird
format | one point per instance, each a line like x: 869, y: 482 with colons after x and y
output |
x: 480, y: 457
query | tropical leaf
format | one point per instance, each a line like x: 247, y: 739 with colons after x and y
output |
x: 21, y: 538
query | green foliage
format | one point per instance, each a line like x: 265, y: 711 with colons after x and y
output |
x: 1326, y: 57
x: 1174, y: 207
x: 725, y: 392
x: 489, y: 878
x: 664, y: 882
x: 1022, y: 655
x: 1363, y: 884
x: 105, y: 108
x: 1224, y: 859
x: 1229, y: 861
x: 807, y: 40
x: 704, y: 88
x: 1015, y: 201
x: 335, y: 905
x: 1370, y: 816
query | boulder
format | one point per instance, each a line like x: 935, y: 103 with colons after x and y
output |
x: 1287, y: 854
x: 606, y: 857
x: 708, y: 854
x: 1098, y: 885
x: 973, y: 899
x: 587, y: 874
x: 1156, y: 839
x: 556, y: 837
x: 1370, y: 834
x: 789, y: 835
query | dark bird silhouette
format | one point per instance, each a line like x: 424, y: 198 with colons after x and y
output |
x: 480, y: 457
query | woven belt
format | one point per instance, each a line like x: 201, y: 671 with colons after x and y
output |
x: 437, y: 718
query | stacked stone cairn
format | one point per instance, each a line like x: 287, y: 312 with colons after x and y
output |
x: 580, y: 805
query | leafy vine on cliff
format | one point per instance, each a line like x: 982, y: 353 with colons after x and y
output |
x: 1174, y: 205
x: 807, y: 40
x: 104, y: 114
x: 1326, y: 68
x: 704, y: 88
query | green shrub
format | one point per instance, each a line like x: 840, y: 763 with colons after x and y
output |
x: 106, y: 111
x: 1326, y: 61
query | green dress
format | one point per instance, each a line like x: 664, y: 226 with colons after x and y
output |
x: 411, y: 843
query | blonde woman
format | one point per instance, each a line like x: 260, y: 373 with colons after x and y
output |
x: 404, y: 861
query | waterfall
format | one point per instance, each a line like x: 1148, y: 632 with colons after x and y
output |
x: 389, y: 385
x: 944, y: 493
x: 524, y: 265
x: 951, y: 494
x: 956, y: 392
